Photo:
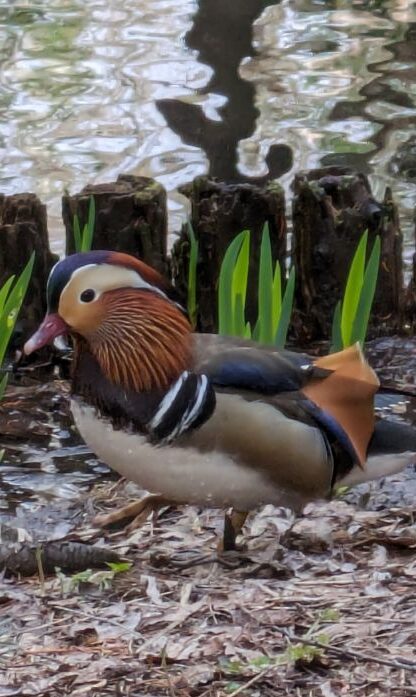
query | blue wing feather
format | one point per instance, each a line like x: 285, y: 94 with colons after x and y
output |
x: 267, y: 372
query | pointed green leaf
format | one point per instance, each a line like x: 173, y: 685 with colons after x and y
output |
x: 256, y: 331
x: 336, y: 338
x: 239, y: 285
x: 5, y: 291
x: 12, y: 306
x: 239, y: 319
x: 353, y: 290
x: 362, y: 316
x: 88, y: 231
x: 265, y: 290
x: 247, y: 333
x: 276, y: 297
x: 286, y: 313
x: 225, y: 283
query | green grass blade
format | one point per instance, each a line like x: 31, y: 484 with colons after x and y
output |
x: 88, y: 232
x: 362, y: 316
x: 193, y: 260
x: 225, y: 283
x: 265, y: 289
x: 239, y: 285
x: 353, y: 290
x: 12, y: 306
x: 286, y: 313
x: 276, y: 297
x: 336, y: 337
x: 4, y: 292
x: 247, y: 333
x: 77, y: 234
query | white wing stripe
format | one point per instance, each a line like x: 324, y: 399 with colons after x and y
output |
x: 167, y: 401
x: 198, y: 403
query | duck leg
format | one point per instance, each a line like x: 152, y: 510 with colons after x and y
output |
x: 138, y: 510
x: 233, y: 524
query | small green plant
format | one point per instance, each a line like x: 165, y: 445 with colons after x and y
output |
x: 232, y: 287
x: 102, y: 578
x: 351, y: 316
x: 193, y: 260
x: 274, y: 310
x: 12, y: 295
x: 83, y: 239
x: 301, y: 652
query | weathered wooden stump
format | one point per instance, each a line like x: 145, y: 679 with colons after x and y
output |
x: 218, y: 213
x: 131, y: 216
x: 23, y: 229
x: 331, y: 209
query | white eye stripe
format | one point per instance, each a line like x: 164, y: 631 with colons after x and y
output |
x: 105, y: 277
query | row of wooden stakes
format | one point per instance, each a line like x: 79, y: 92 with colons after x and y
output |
x: 331, y: 208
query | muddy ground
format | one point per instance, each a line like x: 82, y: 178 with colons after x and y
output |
x: 322, y: 606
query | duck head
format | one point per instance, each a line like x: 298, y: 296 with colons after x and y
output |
x: 123, y: 312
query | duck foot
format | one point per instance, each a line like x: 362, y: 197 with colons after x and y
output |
x: 138, y: 510
x: 233, y: 524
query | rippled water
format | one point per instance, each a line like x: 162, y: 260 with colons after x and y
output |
x: 168, y: 89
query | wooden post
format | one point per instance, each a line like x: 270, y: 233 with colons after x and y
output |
x: 23, y: 229
x: 218, y: 213
x: 331, y: 209
x: 131, y: 216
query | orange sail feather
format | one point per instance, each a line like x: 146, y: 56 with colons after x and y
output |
x: 348, y: 395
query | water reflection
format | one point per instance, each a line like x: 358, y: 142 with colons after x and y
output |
x: 337, y: 79
x: 333, y: 82
x: 220, y: 132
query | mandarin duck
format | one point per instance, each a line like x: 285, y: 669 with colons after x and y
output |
x: 204, y: 419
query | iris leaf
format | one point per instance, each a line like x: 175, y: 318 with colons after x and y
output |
x: 239, y: 285
x: 287, y: 305
x: 362, y: 316
x: 265, y: 290
x: 12, y: 305
x: 353, y: 290
x: 225, y: 286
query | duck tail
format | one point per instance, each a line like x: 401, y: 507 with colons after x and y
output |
x: 391, y: 449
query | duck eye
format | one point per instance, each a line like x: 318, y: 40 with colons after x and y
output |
x: 87, y: 296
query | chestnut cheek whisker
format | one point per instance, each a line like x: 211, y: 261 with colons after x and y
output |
x: 143, y: 343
